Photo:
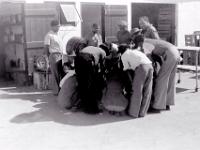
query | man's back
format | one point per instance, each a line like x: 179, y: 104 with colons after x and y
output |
x: 133, y: 58
x: 151, y: 32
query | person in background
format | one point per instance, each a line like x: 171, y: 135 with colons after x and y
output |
x: 148, y: 29
x: 140, y: 83
x: 53, y: 49
x: 133, y: 34
x: 123, y: 35
x: 94, y: 38
x: 164, y: 92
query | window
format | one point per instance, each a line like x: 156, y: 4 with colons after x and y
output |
x: 69, y: 15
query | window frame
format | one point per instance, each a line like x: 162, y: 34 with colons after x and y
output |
x: 72, y: 23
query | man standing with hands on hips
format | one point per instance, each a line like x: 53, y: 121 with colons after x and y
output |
x: 53, y: 49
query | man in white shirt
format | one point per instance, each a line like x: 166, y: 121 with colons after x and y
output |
x: 141, y: 85
x: 94, y: 38
x: 53, y: 49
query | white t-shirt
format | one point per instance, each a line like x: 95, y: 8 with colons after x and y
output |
x: 54, y: 41
x: 94, y: 39
x: 95, y: 51
x: 133, y: 58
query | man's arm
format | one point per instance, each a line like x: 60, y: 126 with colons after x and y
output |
x: 154, y: 33
x: 47, y: 42
x: 46, y: 50
x: 125, y: 63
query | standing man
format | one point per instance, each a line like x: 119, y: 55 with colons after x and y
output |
x: 94, y: 38
x: 123, y: 35
x: 164, y: 92
x: 53, y: 49
x: 149, y: 30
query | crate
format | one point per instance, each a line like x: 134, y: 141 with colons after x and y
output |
x: 42, y: 81
x: 190, y: 40
x: 189, y: 58
x: 19, y: 77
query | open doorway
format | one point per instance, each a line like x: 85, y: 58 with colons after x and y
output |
x: 92, y: 13
x: 162, y: 16
x: 106, y: 16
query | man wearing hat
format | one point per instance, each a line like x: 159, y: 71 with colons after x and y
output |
x: 123, y: 35
x: 53, y: 49
x: 94, y: 38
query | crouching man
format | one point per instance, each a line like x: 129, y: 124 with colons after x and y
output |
x: 139, y: 86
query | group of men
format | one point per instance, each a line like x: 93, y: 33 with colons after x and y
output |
x: 138, y: 52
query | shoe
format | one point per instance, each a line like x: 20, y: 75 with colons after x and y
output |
x: 167, y: 107
x: 153, y: 110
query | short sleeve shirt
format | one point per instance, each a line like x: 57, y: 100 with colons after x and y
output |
x: 123, y: 37
x: 133, y: 58
x: 94, y: 39
x: 151, y: 32
x: 96, y: 52
x: 54, y: 42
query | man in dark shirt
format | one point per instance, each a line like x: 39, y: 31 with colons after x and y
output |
x: 123, y: 35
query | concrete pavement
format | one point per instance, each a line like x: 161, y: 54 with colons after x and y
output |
x: 31, y: 120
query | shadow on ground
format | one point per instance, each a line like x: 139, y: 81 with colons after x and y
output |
x: 46, y: 109
x: 179, y: 90
x: 194, y: 77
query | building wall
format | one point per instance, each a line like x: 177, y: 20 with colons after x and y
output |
x: 2, y: 55
x: 188, y: 20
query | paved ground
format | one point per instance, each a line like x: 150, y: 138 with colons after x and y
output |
x: 31, y: 120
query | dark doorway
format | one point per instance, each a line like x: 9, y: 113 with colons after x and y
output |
x: 114, y: 14
x: 162, y: 16
x: 92, y: 13
x: 107, y: 16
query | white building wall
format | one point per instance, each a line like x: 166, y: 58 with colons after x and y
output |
x: 188, y: 14
x: 188, y: 20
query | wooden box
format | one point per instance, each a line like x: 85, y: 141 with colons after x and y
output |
x: 190, y: 40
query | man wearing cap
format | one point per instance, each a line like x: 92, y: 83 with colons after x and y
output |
x: 148, y: 29
x: 53, y: 49
x: 139, y: 86
x: 94, y: 38
x: 123, y: 35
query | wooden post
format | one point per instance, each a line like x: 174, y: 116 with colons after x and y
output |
x: 25, y: 44
x: 103, y: 22
x: 196, y: 64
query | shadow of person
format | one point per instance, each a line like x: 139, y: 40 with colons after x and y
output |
x: 47, y: 110
x: 179, y: 90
